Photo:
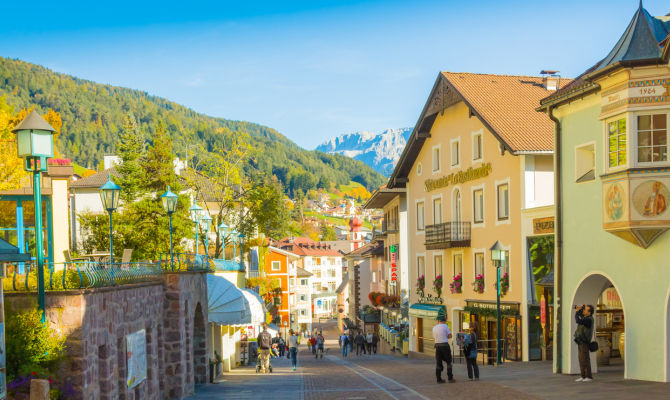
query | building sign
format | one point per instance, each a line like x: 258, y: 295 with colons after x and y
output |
x: 136, y: 354
x: 394, y: 268
x: 543, y: 311
x: 455, y: 178
x: 542, y: 226
x: 492, y: 305
x: 648, y: 92
x: 429, y: 299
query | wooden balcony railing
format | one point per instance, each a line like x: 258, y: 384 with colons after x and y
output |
x: 447, y: 235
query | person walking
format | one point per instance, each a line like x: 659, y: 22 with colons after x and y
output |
x: 583, y: 336
x: 312, y: 342
x: 344, y: 340
x: 441, y: 335
x: 375, y: 340
x: 293, y: 341
x: 281, y: 344
x: 264, y: 341
x: 320, y: 340
x: 351, y: 341
x: 360, y: 344
x: 368, y: 342
x: 470, y: 352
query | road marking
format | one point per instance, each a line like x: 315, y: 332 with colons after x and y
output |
x: 337, y: 360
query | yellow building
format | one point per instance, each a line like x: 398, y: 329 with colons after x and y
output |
x: 478, y: 168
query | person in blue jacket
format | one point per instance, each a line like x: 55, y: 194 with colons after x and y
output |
x: 470, y: 351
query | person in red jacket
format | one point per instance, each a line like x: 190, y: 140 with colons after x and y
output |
x: 312, y: 341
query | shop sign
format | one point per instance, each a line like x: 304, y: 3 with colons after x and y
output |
x: 455, y: 178
x: 543, y: 311
x: 136, y: 354
x: 394, y: 269
x: 429, y: 299
x: 543, y: 226
x: 492, y: 305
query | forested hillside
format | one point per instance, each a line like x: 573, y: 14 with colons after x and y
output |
x: 93, y: 114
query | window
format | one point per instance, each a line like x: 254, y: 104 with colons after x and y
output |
x: 276, y: 265
x: 437, y: 210
x: 477, y: 146
x: 455, y: 153
x: 437, y: 260
x: 418, y: 169
x: 652, y: 138
x: 303, y: 312
x: 616, y: 136
x: 503, y: 201
x: 420, y: 216
x: 317, y: 261
x: 303, y: 282
x: 458, y: 264
x: 479, y: 264
x: 478, y: 206
x: 504, y: 269
x: 318, y: 273
x: 277, y: 301
x: 303, y: 297
x: 374, y: 276
x: 420, y: 266
x: 436, y: 158
x: 291, y: 282
x: 585, y: 163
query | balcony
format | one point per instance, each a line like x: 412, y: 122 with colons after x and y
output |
x: 635, y: 204
x: 389, y: 227
x: 447, y: 235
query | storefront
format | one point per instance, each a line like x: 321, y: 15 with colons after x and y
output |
x: 424, y: 318
x: 484, y: 315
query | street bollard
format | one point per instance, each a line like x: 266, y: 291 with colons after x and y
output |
x: 39, y: 389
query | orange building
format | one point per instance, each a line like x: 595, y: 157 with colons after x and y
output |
x: 279, y: 265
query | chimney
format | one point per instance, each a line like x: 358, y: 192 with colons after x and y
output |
x: 551, y: 80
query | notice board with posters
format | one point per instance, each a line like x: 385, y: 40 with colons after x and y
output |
x: 136, y: 355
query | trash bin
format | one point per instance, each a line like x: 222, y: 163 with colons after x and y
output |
x: 604, y: 351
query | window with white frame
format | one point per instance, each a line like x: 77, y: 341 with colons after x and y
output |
x: 437, y: 210
x: 437, y: 263
x: 436, y: 158
x: 276, y: 265
x: 291, y: 282
x: 652, y: 138
x: 479, y: 264
x: 504, y: 269
x: 616, y: 141
x: 455, y: 153
x: 418, y: 169
x: 420, y: 266
x: 585, y: 163
x: 478, y: 206
x: 458, y: 264
x: 303, y: 297
x: 477, y: 144
x: 304, y: 282
x: 503, y: 201
x: 374, y: 276
x: 303, y: 312
x: 420, y: 216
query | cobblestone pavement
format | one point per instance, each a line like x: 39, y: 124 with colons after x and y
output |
x: 386, y: 376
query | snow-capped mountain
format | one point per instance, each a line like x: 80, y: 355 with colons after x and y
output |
x: 381, y: 151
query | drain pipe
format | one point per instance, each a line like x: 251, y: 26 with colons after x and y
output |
x: 558, y: 245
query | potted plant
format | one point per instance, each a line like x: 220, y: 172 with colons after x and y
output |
x: 456, y: 285
x: 478, y: 284
x: 420, y: 285
x: 214, y: 365
x: 504, y: 284
x: 437, y: 285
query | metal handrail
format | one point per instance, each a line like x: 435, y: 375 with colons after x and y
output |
x: 79, y: 275
x: 455, y: 232
x: 186, y: 262
x: 228, y: 265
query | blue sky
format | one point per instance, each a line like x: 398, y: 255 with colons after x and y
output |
x: 310, y: 69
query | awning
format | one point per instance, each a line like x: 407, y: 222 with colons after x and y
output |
x: 229, y: 305
x: 430, y: 311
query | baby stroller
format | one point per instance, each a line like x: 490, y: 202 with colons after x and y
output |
x: 258, y: 363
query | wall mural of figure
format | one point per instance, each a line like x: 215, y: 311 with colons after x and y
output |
x: 614, y: 202
x: 650, y: 198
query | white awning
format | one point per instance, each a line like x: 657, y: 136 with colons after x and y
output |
x: 229, y: 305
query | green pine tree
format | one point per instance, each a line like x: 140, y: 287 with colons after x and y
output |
x: 132, y: 152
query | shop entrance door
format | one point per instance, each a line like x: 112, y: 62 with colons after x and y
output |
x: 419, y: 335
x: 493, y: 333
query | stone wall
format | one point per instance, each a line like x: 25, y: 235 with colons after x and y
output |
x: 96, y: 321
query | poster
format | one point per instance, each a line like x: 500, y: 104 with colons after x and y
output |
x: 136, y: 355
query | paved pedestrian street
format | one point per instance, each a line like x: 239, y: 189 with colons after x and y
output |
x: 386, y: 376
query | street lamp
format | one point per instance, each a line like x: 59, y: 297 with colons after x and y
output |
x: 109, y: 194
x: 498, y: 258
x: 233, y: 237
x: 223, y: 228
x: 34, y: 143
x: 195, y: 210
x: 205, y: 223
x: 170, y: 205
x: 241, y: 236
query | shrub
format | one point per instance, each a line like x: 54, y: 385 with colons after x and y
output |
x: 30, y: 345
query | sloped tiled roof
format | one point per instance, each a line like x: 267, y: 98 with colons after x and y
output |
x: 96, y: 180
x: 306, y: 247
x: 507, y: 104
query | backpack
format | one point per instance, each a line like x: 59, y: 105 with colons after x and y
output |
x: 265, y: 340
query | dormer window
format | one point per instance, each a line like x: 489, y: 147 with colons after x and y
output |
x: 616, y: 137
x: 652, y: 138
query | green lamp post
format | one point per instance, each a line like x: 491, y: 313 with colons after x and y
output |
x: 170, y: 205
x: 498, y: 258
x: 223, y: 229
x: 205, y: 223
x: 195, y: 211
x: 110, y: 193
x: 241, y: 236
x: 34, y: 143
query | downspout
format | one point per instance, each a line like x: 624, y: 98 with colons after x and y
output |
x: 558, y: 249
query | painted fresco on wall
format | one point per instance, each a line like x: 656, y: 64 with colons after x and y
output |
x: 650, y: 198
x: 615, y: 202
